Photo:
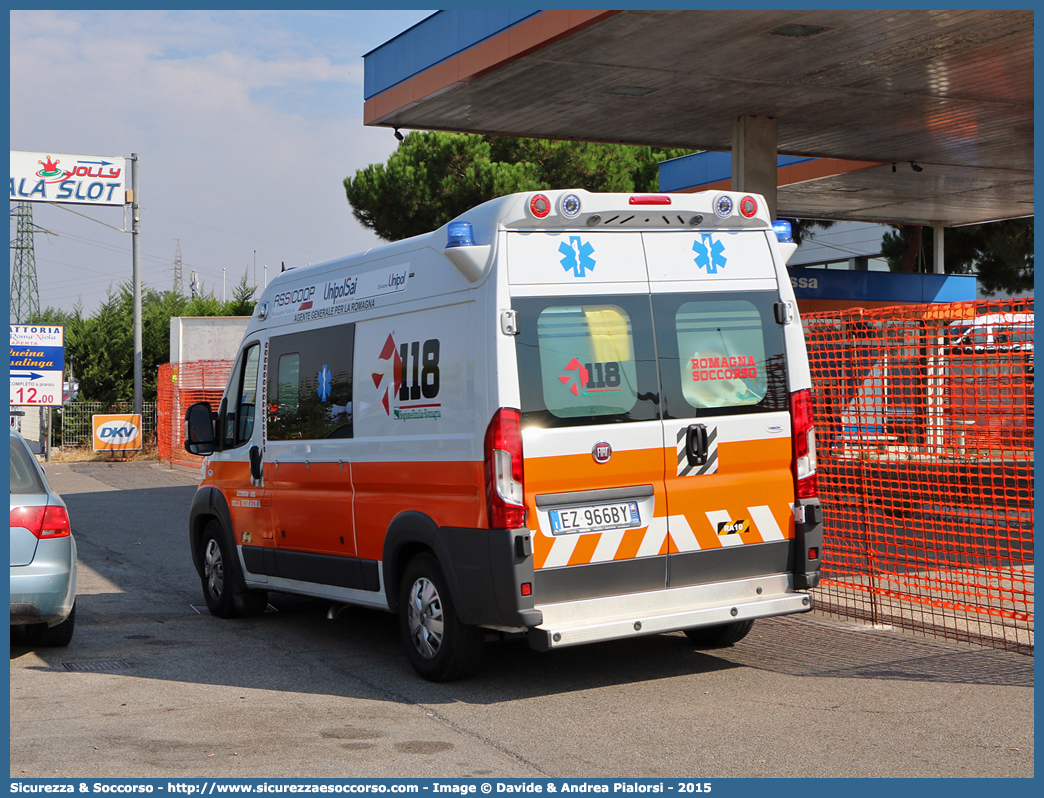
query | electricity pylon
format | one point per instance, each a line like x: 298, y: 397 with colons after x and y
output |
x: 25, y: 295
x: 178, y: 279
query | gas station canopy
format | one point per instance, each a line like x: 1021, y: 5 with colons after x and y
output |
x: 930, y: 111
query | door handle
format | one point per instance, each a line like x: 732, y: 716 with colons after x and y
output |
x: 256, y: 471
x: 696, y: 444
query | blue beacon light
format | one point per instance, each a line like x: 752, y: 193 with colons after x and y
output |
x: 783, y: 231
x: 459, y: 234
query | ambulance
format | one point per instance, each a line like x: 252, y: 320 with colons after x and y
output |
x: 572, y: 416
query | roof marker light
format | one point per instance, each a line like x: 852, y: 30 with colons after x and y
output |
x: 723, y: 205
x: 748, y: 207
x: 570, y: 205
x: 459, y: 234
x: 539, y: 206
x: 649, y: 199
x: 783, y: 232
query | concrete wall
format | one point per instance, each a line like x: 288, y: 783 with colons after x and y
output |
x: 206, y: 337
x: 30, y: 427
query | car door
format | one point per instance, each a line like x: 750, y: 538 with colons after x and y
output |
x: 722, y: 362
x: 591, y: 429
x: 308, y: 466
x: 241, y: 439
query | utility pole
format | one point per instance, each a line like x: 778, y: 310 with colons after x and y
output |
x: 136, y: 256
x: 178, y: 278
x: 25, y: 295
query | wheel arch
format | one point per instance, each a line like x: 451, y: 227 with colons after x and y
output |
x: 409, y: 534
x: 209, y: 504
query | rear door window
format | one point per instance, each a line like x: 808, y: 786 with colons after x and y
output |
x: 720, y: 353
x: 586, y: 360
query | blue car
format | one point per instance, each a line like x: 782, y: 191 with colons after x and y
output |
x: 43, y: 554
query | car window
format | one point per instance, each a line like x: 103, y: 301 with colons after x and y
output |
x: 310, y: 388
x: 25, y: 479
x: 586, y: 360
x: 720, y: 353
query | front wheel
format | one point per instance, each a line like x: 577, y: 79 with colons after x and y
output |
x: 217, y: 575
x: 719, y: 636
x: 439, y: 646
x: 225, y: 598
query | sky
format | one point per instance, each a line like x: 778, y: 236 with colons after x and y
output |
x: 245, y: 123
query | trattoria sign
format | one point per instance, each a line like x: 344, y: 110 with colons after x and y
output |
x: 59, y: 177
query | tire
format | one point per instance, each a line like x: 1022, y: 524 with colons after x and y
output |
x: 217, y: 575
x: 44, y: 636
x: 719, y: 636
x: 438, y: 645
x: 249, y: 603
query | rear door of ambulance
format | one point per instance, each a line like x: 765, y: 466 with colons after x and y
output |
x: 591, y: 429
x: 723, y: 373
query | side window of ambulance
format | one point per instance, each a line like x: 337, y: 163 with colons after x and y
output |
x: 242, y: 394
x: 310, y: 384
x: 720, y: 353
x: 586, y: 361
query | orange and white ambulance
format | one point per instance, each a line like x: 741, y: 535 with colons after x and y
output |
x: 575, y: 416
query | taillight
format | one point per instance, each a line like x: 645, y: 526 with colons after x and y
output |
x: 806, y: 484
x: 43, y: 522
x: 505, y: 497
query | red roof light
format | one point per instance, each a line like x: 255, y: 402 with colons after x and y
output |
x: 649, y: 199
x: 539, y: 206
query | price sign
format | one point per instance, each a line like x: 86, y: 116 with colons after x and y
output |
x: 37, y: 364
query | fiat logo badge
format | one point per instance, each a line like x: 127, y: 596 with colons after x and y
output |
x: 601, y: 452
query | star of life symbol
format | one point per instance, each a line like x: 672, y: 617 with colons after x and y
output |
x: 710, y: 254
x: 325, y: 380
x: 577, y: 256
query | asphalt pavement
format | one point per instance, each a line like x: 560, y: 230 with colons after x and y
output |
x: 153, y: 686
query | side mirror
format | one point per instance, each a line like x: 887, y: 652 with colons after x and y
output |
x: 199, y: 429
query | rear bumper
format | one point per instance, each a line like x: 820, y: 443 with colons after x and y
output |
x: 44, y: 590
x: 574, y: 623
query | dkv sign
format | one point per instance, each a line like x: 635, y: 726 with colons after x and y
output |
x: 117, y: 432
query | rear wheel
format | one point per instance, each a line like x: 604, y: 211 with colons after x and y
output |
x: 439, y: 646
x: 719, y: 636
x: 40, y: 634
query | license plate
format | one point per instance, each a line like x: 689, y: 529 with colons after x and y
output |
x: 594, y: 518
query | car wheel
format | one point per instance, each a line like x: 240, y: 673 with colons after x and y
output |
x: 217, y: 575
x: 250, y: 603
x: 719, y: 636
x: 439, y: 646
x: 40, y: 634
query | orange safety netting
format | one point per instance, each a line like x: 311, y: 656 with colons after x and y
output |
x: 180, y: 385
x: 924, y: 419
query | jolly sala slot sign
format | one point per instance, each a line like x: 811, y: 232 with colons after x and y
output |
x: 82, y: 179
